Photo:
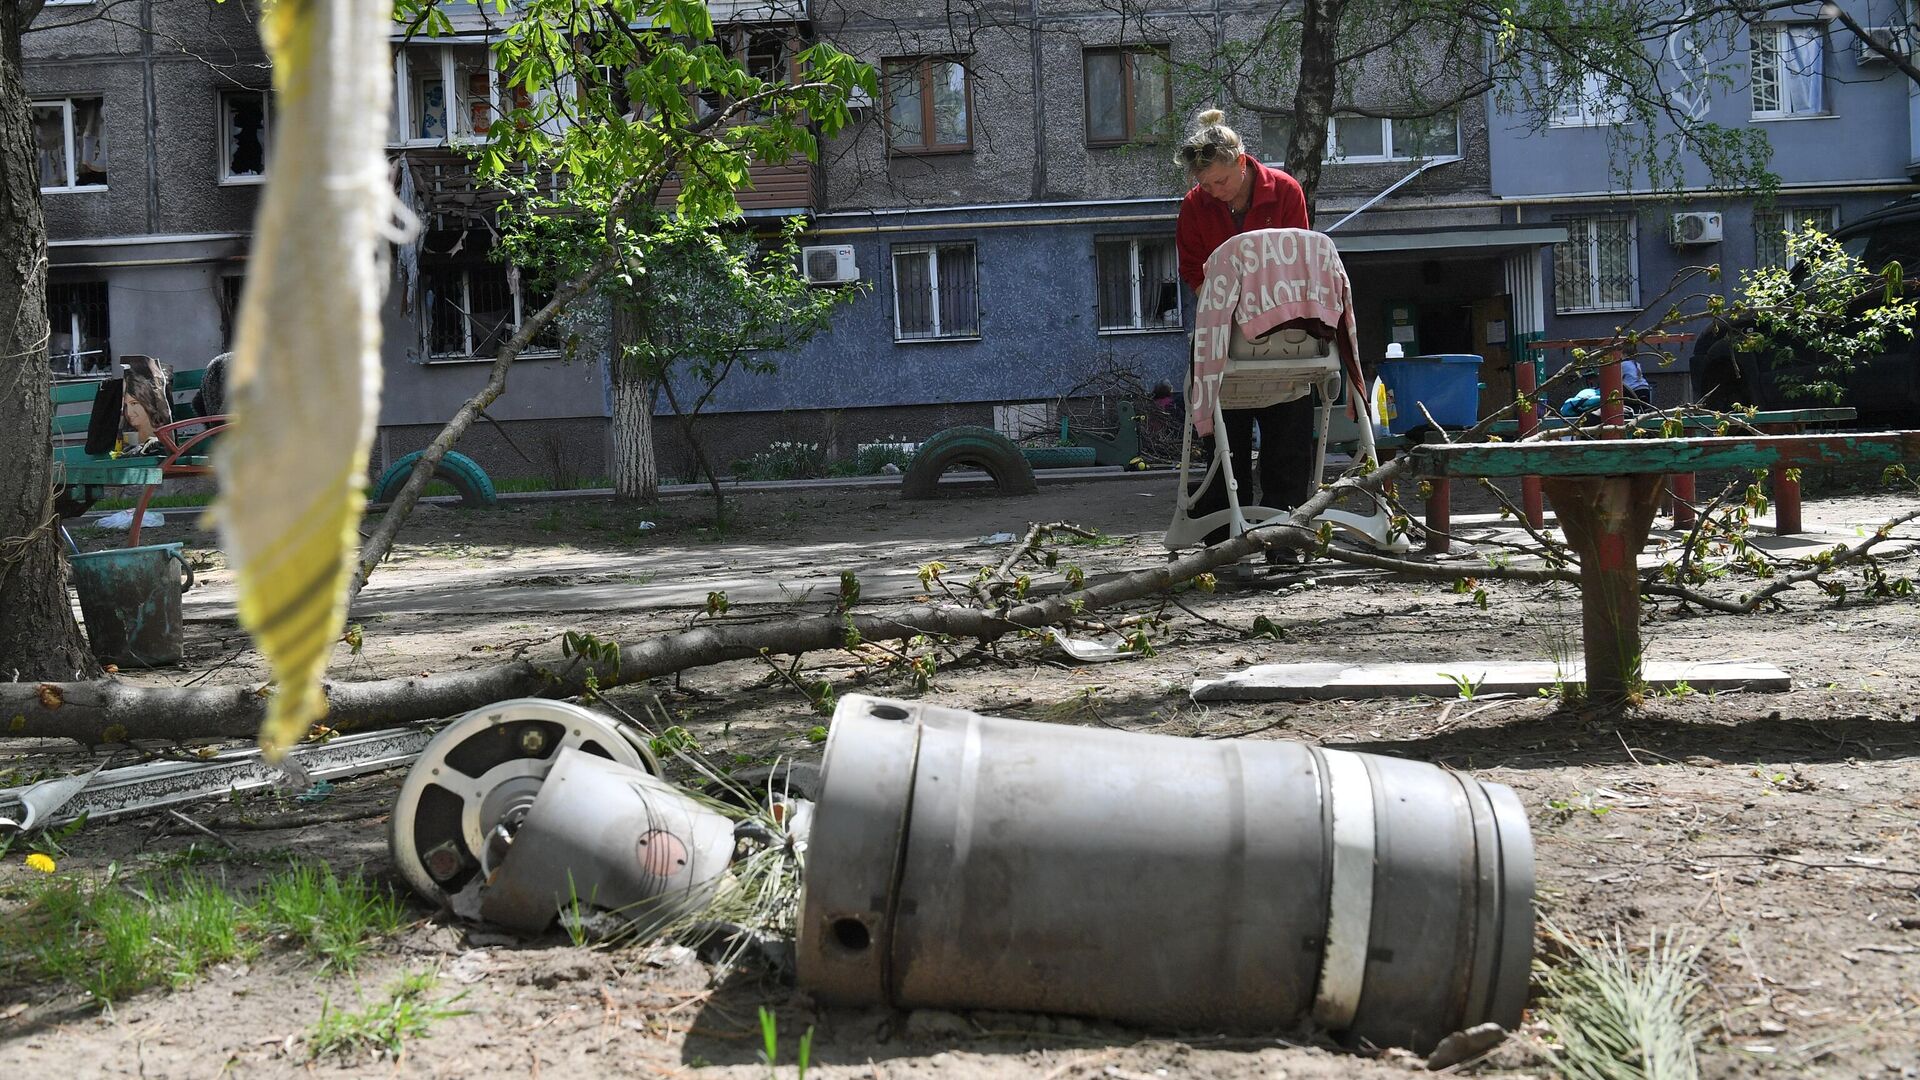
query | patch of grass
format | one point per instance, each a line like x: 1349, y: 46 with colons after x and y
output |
x: 335, y: 918
x: 1617, y: 1017
x: 115, y: 937
x: 385, y: 1027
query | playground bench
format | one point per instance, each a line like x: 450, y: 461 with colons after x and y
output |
x: 85, y: 478
x: 1606, y: 492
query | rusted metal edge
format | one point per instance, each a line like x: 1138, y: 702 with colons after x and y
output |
x: 157, y: 785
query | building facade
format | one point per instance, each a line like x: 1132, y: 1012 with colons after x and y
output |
x: 1843, y: 125
x: 1007, y: 205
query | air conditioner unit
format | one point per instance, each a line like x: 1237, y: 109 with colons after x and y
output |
x: 1896, y: 39
x: 1695, y: 227
x: 829, y: 265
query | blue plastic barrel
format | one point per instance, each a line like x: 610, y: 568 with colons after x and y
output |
x: 130, y: 601
x: 1447, y: 384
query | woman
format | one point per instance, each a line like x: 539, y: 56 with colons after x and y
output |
x: 1232, y: 193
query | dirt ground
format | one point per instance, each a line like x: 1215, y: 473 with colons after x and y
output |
x: 1780, y: 831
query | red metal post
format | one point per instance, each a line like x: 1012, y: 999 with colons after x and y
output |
x: 1526, y: 381
x: 1786, y: 489
x: 1681, y: 485
x: 1613, y: 406
x: 1439, y: 516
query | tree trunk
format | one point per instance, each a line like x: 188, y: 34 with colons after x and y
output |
x: 38, y: 636
x: 1313, y: 97
x: 636, y: 471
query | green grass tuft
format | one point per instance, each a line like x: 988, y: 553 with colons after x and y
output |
x: 1615, y: 1017
x: 335, y: 918
x: 386, y: 1026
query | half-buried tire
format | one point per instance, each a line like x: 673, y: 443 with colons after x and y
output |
x: 981, y: 448
x: 458, y: 470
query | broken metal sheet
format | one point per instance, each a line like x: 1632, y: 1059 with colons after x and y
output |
x: 157, y: 785
x: 1094, y: 651
x: 1272, y: 682
x: 43, y: 800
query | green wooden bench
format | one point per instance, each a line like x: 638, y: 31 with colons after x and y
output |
x: 1606, y: 492
x: 85, y: 478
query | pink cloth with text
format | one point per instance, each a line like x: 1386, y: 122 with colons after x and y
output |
x: 1265, y: 280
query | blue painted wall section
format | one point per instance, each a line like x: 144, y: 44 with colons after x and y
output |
x: 1039, y: 317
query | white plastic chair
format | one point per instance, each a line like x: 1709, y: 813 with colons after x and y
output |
x: 1284, y: 365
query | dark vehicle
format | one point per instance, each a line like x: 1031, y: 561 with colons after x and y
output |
x: 1884, y: 388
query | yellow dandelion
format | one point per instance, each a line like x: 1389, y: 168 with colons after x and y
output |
x: 42, y: 863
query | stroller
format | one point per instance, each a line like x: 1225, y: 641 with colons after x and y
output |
x: 1284, y: 360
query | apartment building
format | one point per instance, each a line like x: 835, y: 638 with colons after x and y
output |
x: 1842, y: 121
x: 1008, y: 202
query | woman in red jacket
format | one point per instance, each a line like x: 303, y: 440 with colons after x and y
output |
x: 1232, y: 193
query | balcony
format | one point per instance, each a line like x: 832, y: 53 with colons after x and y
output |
x: 774, y: 190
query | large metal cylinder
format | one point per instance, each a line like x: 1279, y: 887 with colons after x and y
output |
x: 967, y: 861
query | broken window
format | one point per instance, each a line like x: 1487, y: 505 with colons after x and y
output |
x: 473, y: 309
x: 444, y: 93
x: 70, y: 141
x: 935, y: 292
x: 1139, y: 283
x: 77, y: 329
x: 227, y: 295
x: 244, y: 131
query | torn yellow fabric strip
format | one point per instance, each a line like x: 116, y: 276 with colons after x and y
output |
x: 304, y: 384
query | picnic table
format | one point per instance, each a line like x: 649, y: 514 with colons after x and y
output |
x: 1606, y: 492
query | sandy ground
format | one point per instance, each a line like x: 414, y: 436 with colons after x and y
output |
x: 1781, y: 831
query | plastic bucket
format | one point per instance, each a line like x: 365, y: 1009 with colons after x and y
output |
x: 1448, y: 385
x: 959, y: 861
x: 130, y: 600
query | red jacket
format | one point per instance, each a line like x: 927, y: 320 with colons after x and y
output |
x: 1206, y: 223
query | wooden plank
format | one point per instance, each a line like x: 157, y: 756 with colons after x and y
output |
x: 1627, y: 457
x: 1695, y: 422
x: 1283, y: 682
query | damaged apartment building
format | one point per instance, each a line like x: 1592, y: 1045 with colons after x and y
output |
x: 1008, y: 202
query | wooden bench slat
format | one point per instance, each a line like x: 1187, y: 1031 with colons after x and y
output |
x: 115, y: 473
x: 1623, y: 457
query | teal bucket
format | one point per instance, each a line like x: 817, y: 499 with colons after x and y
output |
x: 130, y: 600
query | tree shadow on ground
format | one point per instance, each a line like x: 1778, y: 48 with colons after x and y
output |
x: 1561, y: 739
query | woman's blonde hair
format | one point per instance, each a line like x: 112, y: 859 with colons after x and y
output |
x: 1209, y: 142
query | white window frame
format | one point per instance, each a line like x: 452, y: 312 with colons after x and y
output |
x: 1592, y: 301
x: 1591, y: 104
x: 931, y: 253
x: 1276, y: 155
x: 65, y: 105
x: 1139, y: 325
x: 1792, y: 218
x: 446, y: 50
x: 1783, y: 71
x: 514, y: 291
x: 226, y: 129
x: 66, y: 3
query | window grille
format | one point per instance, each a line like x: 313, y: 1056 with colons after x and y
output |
x: 1788, y: 70
x: 935, y: 292
x: 1770, y: 229
x: 1138, y: 284
x: 1597, y: 267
